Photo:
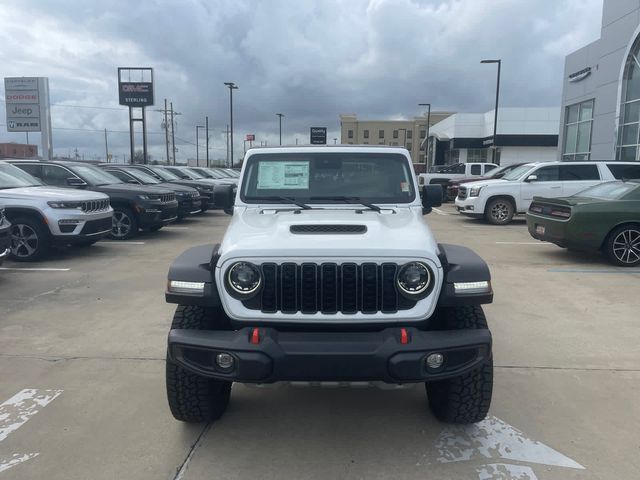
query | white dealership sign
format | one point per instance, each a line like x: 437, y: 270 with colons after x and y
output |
x: 28, y: 109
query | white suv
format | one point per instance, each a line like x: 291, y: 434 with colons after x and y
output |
x: 499, y: 200
x: 43, y: 216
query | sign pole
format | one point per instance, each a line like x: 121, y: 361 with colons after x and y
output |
x: 145, y: 158
x: 206, y: 126
x: 131, y: 134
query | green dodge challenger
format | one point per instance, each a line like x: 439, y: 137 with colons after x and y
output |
x: 604, y: 218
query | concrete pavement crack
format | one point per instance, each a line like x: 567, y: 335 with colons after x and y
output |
x: 182, y: 468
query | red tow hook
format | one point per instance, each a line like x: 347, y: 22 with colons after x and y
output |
x: 255, y: 337
x: 404, y: 336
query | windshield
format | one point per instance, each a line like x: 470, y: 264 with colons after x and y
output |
x: 609, y: 190
x: 164, y: 174
x: 328, y: 178
x: 517, y: 172
x: 13, y: 177
x: 94, y: 176
x: 141, y: 176
x: 216, y: 174
x: 192, y: 173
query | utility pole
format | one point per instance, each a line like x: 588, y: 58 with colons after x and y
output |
x: 280, y: 115
x: 232, y: 86
x: 166, y: 129
x: 173, y: 132
x: 106, y: 147
x: 206, y: 126
x: 426, y: 147
x: 226, y: 132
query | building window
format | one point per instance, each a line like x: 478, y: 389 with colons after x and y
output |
x: 409, y: 134
x: 380, y: 133
x: 350, y: 134
x: 477, y: 155
x: 395, y: 134
x: 423, y: 134
x: 366, y: 134
x: 578, y: 119
x: 452, y: 156
x: 380, y: 143
x: 628, y: 141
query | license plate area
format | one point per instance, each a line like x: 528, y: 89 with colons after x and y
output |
x: 540, y: 229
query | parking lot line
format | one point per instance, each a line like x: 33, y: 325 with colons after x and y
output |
x: 175, y: 228
x: 27, y: 269
x: 439, y: 212
x: 634, y: 271
x: 118, y: 242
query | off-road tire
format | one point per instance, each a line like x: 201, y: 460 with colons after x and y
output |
x: 467, y: 398
x: 191, y: 397
x: 36, y: 237
x: 623, y: 246
x: 499, y: 211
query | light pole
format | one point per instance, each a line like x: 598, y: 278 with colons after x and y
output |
x: 426, y: 147
x: 198, y: 127
x: 280, y: 115
x: 232, y: 86
x: 495, y: 113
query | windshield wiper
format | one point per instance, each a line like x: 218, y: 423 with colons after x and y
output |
x: 274, y: 198
x: 346, y: 199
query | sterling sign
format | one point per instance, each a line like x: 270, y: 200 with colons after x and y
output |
x: 136, y: 94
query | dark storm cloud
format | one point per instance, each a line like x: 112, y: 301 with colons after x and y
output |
x: 309, y: 60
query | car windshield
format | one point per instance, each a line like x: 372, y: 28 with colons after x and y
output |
x: 216, y: 174
x: 94, y: 176
x: 328, y: 178
x: 141, y: 176
x: 192, y: 173
x: 500, y: 171
x: 13, y: 177
x: 609, y: 190
x: 517, y: 172
x: 164, y: 174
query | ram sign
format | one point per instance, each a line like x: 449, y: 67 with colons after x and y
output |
x: 136, y: 94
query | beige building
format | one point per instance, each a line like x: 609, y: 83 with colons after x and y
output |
x: 409, y: 133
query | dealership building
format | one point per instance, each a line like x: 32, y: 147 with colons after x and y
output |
x: 522, y: 135
x: 601, y: 93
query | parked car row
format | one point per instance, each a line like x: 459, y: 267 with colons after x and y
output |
x: 50, y: 203
x: 585, y: 206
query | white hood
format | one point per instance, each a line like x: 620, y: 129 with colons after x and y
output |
x: 51, y: 193
x: 483, y: 183
x: 254, y: 232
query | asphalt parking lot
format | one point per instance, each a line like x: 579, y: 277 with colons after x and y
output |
x: 82, y: 377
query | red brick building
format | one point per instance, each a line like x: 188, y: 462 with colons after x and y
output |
x: 18, y: 150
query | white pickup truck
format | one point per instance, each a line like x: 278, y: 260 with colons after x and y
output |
x: 454, y: 172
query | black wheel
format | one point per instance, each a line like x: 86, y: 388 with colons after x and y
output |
x: 29, y: 239
x: 623, y: 246
x: 463, y: 399
x: 193, y: 398
x: 124, y: 224
x: 499, y: 211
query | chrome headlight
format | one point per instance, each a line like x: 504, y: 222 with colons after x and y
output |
x: 244, y: 279
x: 474, y: 191
x: 414, y: 279
x: 62, y: 204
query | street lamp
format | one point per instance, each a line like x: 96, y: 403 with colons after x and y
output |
x: 198, y: 127
x: 495, y: 113
x: 232, y: 86
x: 280, y: 115
x: 426, y: 147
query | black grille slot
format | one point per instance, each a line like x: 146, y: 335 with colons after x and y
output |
x: 462, y: 193
x: 329, y: 288
x: 319, y: 229
x: 96, y: 226
x: 94, y: 205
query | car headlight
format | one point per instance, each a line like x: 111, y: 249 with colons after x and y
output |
x: 474, y: 191
x: 61, y: 204
x: 244, y: 279
x: 204, y: 189
x: 414, y: 279
x: 149, y: 197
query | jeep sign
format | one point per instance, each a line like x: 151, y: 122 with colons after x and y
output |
x: 318, y: 136
x: 136, y: 94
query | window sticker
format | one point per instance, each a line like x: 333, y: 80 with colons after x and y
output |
x: 283, y: 175
x: 404, y: 186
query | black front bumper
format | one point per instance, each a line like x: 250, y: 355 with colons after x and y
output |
x: 189, y: 207
x: 159, y: 214
x: 329, y: 356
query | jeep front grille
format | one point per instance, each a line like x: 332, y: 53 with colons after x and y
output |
x: 167, y: 197
x: 339, y: 229
x: 329, y: 288
x: 462, y: 193
x: 90, y: 206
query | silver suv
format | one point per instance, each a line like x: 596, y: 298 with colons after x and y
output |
x: 43, y: 216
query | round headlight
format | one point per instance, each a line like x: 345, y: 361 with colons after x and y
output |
x: 244, y: 278
x: 414, y: 278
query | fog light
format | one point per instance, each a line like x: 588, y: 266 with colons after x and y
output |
x: 225, y: 361
x: 434, y: 361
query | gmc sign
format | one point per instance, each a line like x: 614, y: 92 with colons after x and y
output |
x: 136, y: 94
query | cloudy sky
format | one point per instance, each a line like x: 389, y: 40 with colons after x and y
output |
x: 310, y: 60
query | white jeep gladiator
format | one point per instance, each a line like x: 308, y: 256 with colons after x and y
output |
x: 328, y: 272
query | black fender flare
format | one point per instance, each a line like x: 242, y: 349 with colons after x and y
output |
x: 462, y: 265
x: 197, y: 265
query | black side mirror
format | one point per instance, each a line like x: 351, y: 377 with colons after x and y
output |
x: 224, y: 197
x: 431, y: 197
x: 76, y: 182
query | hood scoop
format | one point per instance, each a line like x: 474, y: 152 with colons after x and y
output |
x: 328, y: 229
